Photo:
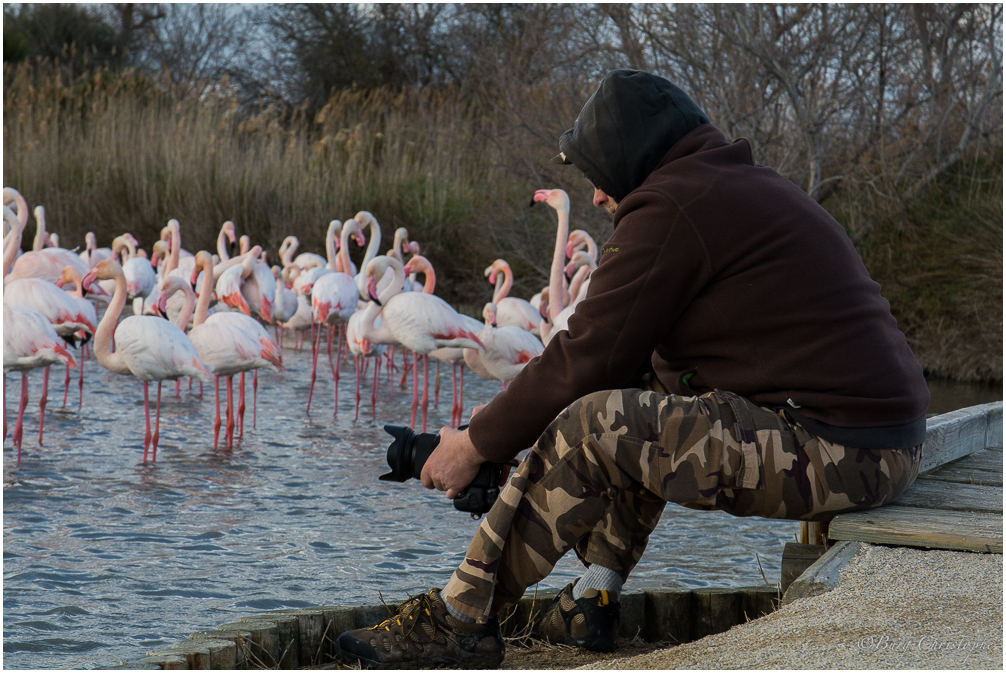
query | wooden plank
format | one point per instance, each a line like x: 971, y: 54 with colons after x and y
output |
x: 935, y: 494
x: 822, y: 576
x: 983, y: 460
x: 959, y: 433
x: 796, y: 558
x: 959, y: 475
x: 918, y: 527
x: 994, y: 433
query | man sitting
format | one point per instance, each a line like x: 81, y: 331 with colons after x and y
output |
x: 780, y: 385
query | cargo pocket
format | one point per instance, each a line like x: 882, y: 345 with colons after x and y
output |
x: 752, y: 426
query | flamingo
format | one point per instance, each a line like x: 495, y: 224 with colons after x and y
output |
x: 11, y: 241
x: 581, y: 240
x: 286, y: 303
x: 226, y: 234
x: 559, y: 201
x: 306, y: 279
x: 92, y: 254
x: 45, y: 263
x: 366, y: 219
x: 508, y: 349
x: 361, y: 349
x: 511, y: 310
x: 308, y: 260
x: 418, y: 321
x: 231, y: 343
x: 333, y: 300
x: 66, y: 316
x: 149, y: 348
x: 453, y: 356
x: 29, y: 342
x: 87, y: 310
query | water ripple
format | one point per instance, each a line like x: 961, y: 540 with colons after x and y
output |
x: 106, y: 557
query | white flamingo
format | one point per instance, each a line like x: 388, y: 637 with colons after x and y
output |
x: 334, y: 297
x: 511, y: 310
x: 557, y: 301
x: 29, y: 342
x: 508, y: 349
x: 418, y: 321
x: 149, y: 348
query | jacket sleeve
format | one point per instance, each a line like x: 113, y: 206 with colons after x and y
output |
x: 651, y: 268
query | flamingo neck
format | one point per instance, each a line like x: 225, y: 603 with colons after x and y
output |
x: 182, y: 319
x: 430, y: 282
x: 106, y: 328
x: 41, y: 238
x: 557, y: 277
x: 331, y: 251
x: 176, y: 246
x: 287, y: 256
x: 343, y: 263
x: 205, y: 292
x: 578, y: 279
x: 375, y: 242
x: 11, y: 246
x: 222, y: 245
x: 503, y: 285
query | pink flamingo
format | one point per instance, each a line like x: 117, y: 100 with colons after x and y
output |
x: 230, y: 342
x: 305, y: 280
x: 72, y: 276
x: 508, y: 349
x: 453, y: 356
x: 511, y: 310
x: 333, y: 301
x: 557, y: 301
x: 581, y: 240
x: 149, y: 348
x: 29, y: 342
x: 418, y: 321
x: 67, y: 317
x: 363, y: 350
x: 45, y: 263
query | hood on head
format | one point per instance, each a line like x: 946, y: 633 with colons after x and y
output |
x: 626, y: 127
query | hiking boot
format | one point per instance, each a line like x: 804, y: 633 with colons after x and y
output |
x: 590, y: 622
x: 422, y: 634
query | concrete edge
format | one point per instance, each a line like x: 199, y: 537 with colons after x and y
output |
x: 822, y: 576
x: 295, y: 638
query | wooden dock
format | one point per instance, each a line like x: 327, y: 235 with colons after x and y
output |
x: 956, y: 503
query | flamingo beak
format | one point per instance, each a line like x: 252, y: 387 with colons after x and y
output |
x: 541, y: 195
x: 89, y: 278
x: 372, y: 288
x: 570, y: 269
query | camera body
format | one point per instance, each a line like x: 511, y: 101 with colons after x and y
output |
x: 409, y: 452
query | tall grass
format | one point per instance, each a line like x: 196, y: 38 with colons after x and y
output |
x: 940, y: 264
x: 113, y: 153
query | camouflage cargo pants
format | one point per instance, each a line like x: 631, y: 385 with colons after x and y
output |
x: 599, y: 477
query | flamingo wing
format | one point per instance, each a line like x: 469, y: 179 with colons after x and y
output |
x: 155, y: 349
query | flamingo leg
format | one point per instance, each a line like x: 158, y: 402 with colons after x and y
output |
x: 415, y: 391
x: 330, y: 333
x: 357, y: 360
x: 461, y: 396
x: 241, y: 406
x: 314, y: 364
x: 426, y: 388
x: 373, y: 393
x: 146, y: 415
x: 42, y: 404
x: 335, y: 371
x: 157, y: 423
x: 19, y: 426
x: 255, y: 398
x: 229, y: 430
x: 66, y: 386
x: 405, y: 369
x: 344, y: 340
x: 200, y: 389
x: 5, y: 407
x: 178, y: 387
x: 80, y: 382
x: 454, y: 395
x: 436, y: 388
x: 190, y: 383
x: 216, y: 422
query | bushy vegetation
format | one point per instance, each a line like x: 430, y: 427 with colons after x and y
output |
x: 443, y: 118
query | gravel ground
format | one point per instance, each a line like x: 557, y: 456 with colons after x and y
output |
x: 894, y: 608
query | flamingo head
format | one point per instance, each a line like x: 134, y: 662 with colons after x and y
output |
x: 411, y: 246
x: 489, y: 314
x: 91, y: 241
x: 229, y: 231
x: 158, y: 252
x: 543, y: 305
x: 556, y: 198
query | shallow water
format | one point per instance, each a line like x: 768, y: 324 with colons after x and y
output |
x: 106, y: 557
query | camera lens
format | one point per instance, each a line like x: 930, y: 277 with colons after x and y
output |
x: 408, y: 452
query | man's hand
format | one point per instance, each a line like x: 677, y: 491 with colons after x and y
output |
x: 453, y: 464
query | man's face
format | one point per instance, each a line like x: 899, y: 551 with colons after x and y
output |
x: 602, y: 200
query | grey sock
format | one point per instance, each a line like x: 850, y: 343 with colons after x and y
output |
x: 598, y: 577
x: 458, y: 615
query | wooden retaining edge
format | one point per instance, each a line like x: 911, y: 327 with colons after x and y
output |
x: 306, y: 637
x: 822, y: 575
x: 960, y: 433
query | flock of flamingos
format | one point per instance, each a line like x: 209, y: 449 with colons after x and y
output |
x: 201, y: 315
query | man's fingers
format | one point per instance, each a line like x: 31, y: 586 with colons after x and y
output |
x: 453, y: 493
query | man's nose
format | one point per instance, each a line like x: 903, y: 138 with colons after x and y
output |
x: 600, y: 198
